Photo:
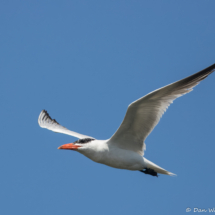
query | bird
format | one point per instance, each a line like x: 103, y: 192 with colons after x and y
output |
x: 125, y: 149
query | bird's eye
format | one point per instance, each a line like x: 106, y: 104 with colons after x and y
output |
x: 85, y: 140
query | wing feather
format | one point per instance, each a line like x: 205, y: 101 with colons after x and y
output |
x: 144, y: 114
x: 45, y: 121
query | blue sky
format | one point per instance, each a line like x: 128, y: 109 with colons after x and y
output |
x: 85, y: 62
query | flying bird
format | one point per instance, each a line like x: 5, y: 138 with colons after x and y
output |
x: 125, y: 149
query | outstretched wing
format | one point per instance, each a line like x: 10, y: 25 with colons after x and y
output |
x: 45, y: 121
x: 144, y: 114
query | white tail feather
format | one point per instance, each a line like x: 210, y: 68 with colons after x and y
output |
x: 157, y: 168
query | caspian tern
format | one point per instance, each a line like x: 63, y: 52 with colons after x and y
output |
x: 125, y: 149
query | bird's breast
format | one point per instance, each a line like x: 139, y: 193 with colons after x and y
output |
x: 115, y: 157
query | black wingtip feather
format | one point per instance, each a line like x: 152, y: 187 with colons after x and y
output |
x: 47, y: 116
x: 208, y: 69
x: 199, y: 76
x: 55, y: 121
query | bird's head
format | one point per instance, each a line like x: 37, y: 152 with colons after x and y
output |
x: 77, y: 144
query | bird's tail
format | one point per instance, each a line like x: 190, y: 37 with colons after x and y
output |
x: 157, y: 168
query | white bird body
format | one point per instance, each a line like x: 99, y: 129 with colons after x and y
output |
x: 125, y: 149
x: 102, y: 152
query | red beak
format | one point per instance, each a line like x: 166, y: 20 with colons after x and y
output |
x: 70, y: 146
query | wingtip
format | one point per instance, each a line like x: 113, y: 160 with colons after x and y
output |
x: 209, y: 69
x: 41, y: 116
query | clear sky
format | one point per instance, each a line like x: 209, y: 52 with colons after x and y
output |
x: 85, y: 62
